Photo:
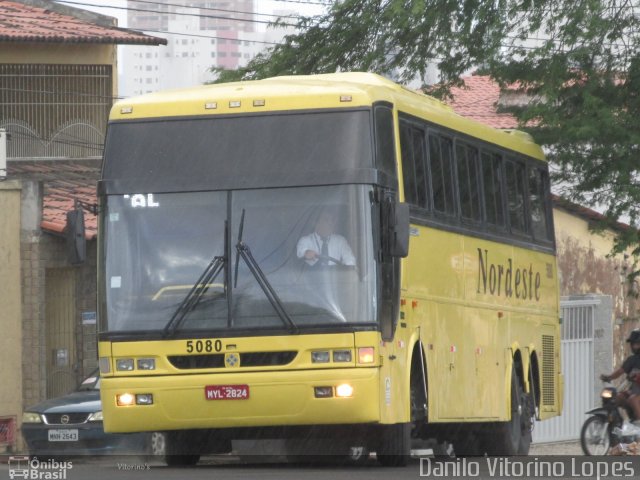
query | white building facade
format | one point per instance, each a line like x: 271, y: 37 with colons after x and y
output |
x: 217, y: 34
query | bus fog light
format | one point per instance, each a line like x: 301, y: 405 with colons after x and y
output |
x: 124, y: 364
x: 320, y: 357
x: 323, y: 392
x: 365, y: 355
x: 125, y: 400
x: 344, y: 390
x: 144, y: 399
x: 342, y: 355
x: 146, y: 363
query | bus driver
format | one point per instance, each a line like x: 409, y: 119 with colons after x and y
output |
x: 323, y: 246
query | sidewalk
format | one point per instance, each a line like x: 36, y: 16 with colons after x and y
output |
x: 556, y: 448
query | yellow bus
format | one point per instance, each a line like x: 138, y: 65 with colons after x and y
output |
x: 330, y: 260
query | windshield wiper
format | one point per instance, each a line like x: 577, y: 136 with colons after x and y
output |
x: 196, y: 293
x: 194, y: 296
x: 243, y: 250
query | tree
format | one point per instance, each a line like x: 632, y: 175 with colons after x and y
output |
x: 578, y: 60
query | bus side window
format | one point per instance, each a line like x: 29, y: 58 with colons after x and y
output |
x: 492, y: 180
x: 516, y: 195
x: 538, y: 181
x: 468, y: 181
x: 413, y: 165
x: 440, y: 161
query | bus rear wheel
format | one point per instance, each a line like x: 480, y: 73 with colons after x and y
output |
x: 513, y: 437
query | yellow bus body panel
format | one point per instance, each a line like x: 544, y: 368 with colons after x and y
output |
x: 454, y: 300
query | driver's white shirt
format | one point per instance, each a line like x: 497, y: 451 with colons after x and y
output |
x: 338, y: 248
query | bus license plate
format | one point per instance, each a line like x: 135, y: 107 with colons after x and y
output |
x: 226, y: 392
x: 66, y: 435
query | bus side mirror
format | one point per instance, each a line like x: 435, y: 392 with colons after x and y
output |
x: 398, y: 229
x: 75, y: 236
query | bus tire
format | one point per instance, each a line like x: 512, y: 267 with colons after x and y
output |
x: 179, y: 450
x: 395, y: 445
x: 514, y: 436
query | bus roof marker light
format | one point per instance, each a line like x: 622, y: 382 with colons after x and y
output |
x: 346, y: 98
x: 211, y: 105
x: 235, y: 104
x: 126, y: 110
x: 259, y: 103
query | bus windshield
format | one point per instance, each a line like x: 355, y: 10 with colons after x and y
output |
x: 157, y: 247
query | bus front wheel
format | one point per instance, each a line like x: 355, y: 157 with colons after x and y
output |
x: 395, y: 445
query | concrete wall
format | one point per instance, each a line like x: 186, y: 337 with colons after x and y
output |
x: 10, y: 295
x: 586, y: 267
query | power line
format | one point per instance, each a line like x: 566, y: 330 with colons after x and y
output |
x: 213, y: 36
x: 21, y: 17
x: 208, y: 9
x: 215, y: 17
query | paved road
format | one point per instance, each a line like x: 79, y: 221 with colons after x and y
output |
x: 537, y: 466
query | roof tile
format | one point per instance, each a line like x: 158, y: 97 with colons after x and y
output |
x: 27, y: 23
x: 478, y: 99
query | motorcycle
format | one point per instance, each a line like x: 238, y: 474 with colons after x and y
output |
x: 606, y: 427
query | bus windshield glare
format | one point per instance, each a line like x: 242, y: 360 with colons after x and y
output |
x: 157, y: 247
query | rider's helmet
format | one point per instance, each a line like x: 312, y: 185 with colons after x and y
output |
x: 634, y: 337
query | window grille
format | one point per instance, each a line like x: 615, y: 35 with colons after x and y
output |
x: 55, y: 111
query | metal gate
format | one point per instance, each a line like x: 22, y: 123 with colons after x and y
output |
x: 577, y: 334
x: 60, y: 330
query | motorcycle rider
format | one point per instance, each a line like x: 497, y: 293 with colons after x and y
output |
x: 630, y: 367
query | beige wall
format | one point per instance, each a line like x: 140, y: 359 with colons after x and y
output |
x: 10, y: 300
x: 586, y: 266
x: 62, y: 54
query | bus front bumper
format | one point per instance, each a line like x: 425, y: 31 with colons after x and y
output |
x: 284, y: 398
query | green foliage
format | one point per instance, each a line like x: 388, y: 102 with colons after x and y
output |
x: 578, y: 60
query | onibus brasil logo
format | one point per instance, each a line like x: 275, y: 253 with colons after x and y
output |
x: 32, y: 468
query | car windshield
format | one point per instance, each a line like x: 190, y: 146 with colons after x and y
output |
x: 246, y: 259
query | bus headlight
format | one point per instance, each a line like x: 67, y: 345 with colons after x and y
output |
x: 144, y: 399
x: 146, y: 363
x: 342, y: 355
x: 320, y: 357
x: 125, y: 400
x: 344, y: 390
x: 124, y: 364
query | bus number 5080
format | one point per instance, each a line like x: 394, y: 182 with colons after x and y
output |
x: 206, y: 346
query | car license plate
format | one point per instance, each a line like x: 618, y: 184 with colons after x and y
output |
x: 226, y: 392
x: 64, y: 435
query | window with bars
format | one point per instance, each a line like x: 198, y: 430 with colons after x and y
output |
x: 55, y: 111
